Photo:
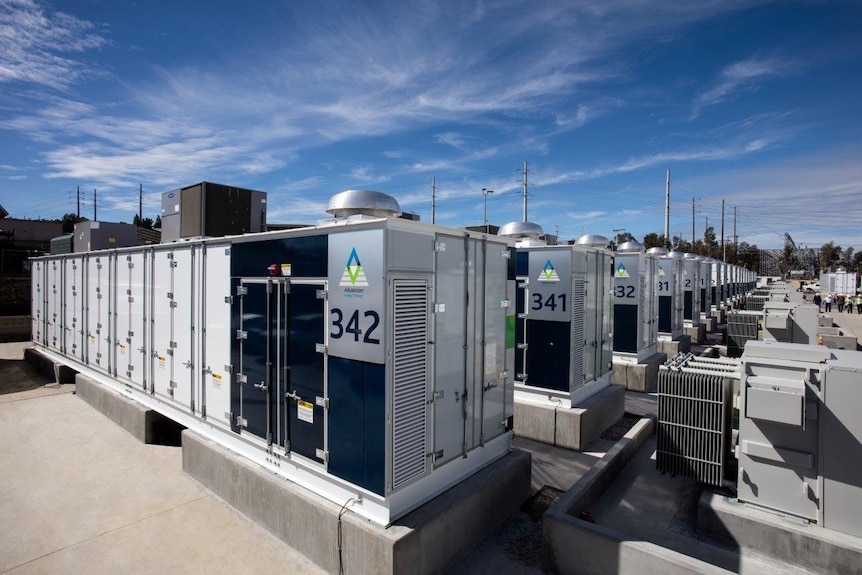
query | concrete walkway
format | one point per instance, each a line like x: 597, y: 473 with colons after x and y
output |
x: 80, y: 495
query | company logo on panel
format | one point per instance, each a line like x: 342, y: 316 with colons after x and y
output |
x: 548, y: 273
x: 621, y: 271
x: 353, y: 275
x: 660, y: 270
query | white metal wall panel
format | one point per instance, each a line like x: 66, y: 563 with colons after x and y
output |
x: 214, y: 393
x: 161, y: 298
x: 54, y: 319
x: 37, y: 299
x: 97, y: 312
x: 184, y: 288
x: 496, y: 372
x: 130, y: 338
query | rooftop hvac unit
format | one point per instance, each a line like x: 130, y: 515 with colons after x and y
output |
x: 669, y: 285
x: 800, y: 437
x: 694, y: 430
x: 211, y: 210
x: 635, y: 303
x: 691, y: 290
x: 562, y: 329
x: 368, y: 357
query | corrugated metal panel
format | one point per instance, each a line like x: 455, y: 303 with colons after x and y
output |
x: 410, y: 369
x: 694, y: 419
x: 741, y: 327
x: 578, y: 341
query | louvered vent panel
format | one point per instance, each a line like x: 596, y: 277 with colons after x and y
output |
x: 410, y: 368
x: 578, y: 342
x: 693, y: 433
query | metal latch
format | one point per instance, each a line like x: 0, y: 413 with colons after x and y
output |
x: 322, y: 402
x: 262, y: 386
x: 522, y: 346
x: 322, y: 454
x: 241, y: 290
x: 435, y: 396
x: 321, y: 294
x: 240, y: 334
x: 435, y: 455
x: 439, y: 247
x: 241, y: 378
x: 320, y: 348
x: 489, y: 386
x: 241, y: 421
x: 524, y: 283
x: 439, y: 307
x: 504, y: 303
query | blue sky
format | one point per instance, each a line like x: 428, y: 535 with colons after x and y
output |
x: 756, y: 103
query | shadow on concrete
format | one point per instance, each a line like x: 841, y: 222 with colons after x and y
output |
x: 17, y: 375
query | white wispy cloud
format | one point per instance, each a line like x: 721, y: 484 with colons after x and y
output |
x: 40, y: 46
x: 743, y: 76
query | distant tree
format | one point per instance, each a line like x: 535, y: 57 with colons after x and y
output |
x: 158, y: 224
x: 69, y: 221
x: 847, y: 258
x: 748, y: 256
x: 680, y: 245
x: 143, y: 223
x: 710, y: 244
x: 830, y: 254
x: 654, y: 240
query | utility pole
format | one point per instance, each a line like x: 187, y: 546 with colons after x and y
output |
x: 667, y: 212
x: 734, y: 228
x: 95, y: 219
x: 79, y: 202
x: 692, y: 223
x: 723, y: 247
x: 141, y: 204
x: 525, y: 190
x: 433, y: 198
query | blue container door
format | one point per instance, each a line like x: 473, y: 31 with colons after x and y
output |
x: 306, y: 361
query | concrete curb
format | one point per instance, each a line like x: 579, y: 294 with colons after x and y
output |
x: 146, y: 425
x: 571, y: 545
x: 47, y: 367
x: 424, y: 541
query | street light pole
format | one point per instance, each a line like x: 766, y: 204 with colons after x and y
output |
x: 485, y: 193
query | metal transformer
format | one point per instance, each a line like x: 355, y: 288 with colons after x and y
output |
x: 563, y: 330
x: 635, y: 303
x: 691, y: 290
x: 365, y: 358
x: 669, y: 286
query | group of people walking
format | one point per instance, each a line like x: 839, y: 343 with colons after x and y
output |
x: 842, y: 303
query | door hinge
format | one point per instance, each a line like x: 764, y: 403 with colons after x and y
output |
x: 241, y: 421
x: 439, y: 307
x: 505, y: 254
x: 228, y: 367
x: 240, y: 334
x: 435, y: 396
x: 322, y: 402
x: 241, y: 290
x: 320, y: 348
x: 240, y: 378
x: 322, y: 455
x: 435, y: 455
x: 504, y: 303
x: 524, y: 284
x: 439, y: 247
x: 523, y: 346
x: 322, y: 294
x: 228, y: 299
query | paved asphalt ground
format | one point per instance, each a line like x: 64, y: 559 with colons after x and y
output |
x: 78, y: 494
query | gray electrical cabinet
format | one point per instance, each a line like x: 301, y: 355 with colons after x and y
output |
x: 706, y: 297
x: 790, y: 322
x: 211, y: 210
x: 669, y: 287
x: 800, y: 437
x: 635, y: 302
x: 90, y: 236
x: 367, y: 357
x: 691, y: 290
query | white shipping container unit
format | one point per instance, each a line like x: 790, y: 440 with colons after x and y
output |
x: 841, y: 282
x: 367, y: 358
x: 635, y: 301
x: 691, y: 280
x: 563, y: 329
x: 669, y: 286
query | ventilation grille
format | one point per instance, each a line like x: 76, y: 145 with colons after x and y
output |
x: 694, y: 433
x: 578, y: 341
x: 741, y: 328
x: 410, y: 368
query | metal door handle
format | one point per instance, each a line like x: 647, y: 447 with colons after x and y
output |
x: 262, y: 386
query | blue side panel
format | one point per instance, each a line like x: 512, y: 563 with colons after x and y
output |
x: 665, y: 313
x: 522, y: 266
x: 626, y: 328
x: 548, y: 354
x: 357, y: 423
x: 307, y: 256
x: 703, y: 300
x: 687, y: 304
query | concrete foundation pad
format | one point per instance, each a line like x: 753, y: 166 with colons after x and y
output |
x: 839, y: 341
x: 710, y: 323
x: 675, y: 346
x: 573, y: 428
x: 697, y: 333
x: 46, y: 366
x: 808, y: 546
x: 146, y: 425
x: 424, y: 541
x: 639, y: 376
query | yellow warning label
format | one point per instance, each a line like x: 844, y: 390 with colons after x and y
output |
x: 162, y: 359
x: 305, y: 411
x: 217, y: 376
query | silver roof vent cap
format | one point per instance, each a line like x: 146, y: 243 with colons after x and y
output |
x: 593, y: 241
x: 364, y: 202
x: 630, y: 246
x: 521, y: 230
